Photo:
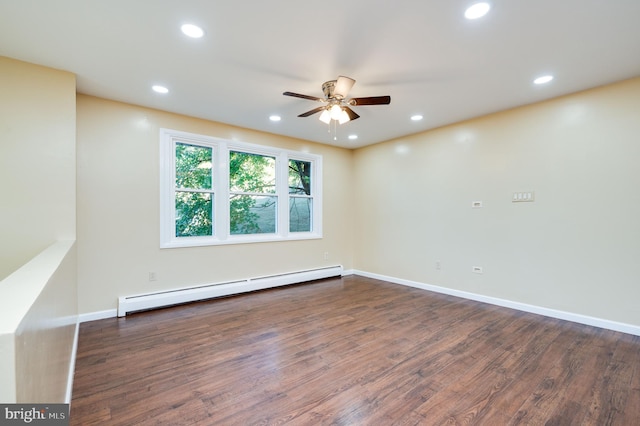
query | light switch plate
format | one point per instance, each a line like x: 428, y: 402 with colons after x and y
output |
x: 523, y: 197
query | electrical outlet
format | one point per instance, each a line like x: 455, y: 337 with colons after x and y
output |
x: 326, y: 255
x: 153, y: 276
x: 438, y: 265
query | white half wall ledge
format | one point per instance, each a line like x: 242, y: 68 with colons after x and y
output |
x: 539, y: 310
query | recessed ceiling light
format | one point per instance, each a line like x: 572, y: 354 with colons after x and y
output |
x: 353, y: 137
x: 275, y: 118
x: 160, y: 89
x: 192, y: 31
x: 477, y: 10
x: 543, y: 79
x: 417, y: 117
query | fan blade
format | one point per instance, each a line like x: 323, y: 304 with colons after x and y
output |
x: 343, y: 85
x: 298, y: 95
x: 313, y: 111
x: 373, y: 100
x: 351, y: 113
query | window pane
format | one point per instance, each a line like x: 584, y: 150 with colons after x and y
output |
x: 300, y: 214
x: 251, y: 214
x: 194, y: 214
x: 299, y: 177
x: 193, y: 166
x: 252, y: 173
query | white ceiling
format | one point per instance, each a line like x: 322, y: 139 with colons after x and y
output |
x: 423, y: 53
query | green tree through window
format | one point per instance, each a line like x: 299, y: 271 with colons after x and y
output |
x: 252, y: 188
x: 300, y: 202
x: 215, y: 191
x: 194, y: 193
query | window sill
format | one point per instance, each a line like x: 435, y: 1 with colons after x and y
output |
x: 236, y: 239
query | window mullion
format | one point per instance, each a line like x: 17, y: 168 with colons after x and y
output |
x: 316, y: 196
x: 283, y: 194
x: 221, y: 188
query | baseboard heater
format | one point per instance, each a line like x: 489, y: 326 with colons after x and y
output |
x: 141, y: 302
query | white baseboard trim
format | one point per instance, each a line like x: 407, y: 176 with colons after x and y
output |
x: 548, y: 312
x: 94, y: 316
x: 553, y: 313
x: 72, y: 364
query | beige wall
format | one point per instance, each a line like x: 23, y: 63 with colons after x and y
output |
x: 38, y: 287
x: 574, y: 249
x: 37, y: 160
x: 118, y: 209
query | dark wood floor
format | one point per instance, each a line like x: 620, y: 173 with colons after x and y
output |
x: 352, y: 351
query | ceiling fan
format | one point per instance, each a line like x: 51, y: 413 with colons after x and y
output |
x: 337, y: 105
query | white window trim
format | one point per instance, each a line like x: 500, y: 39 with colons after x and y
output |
x: 221, y: 148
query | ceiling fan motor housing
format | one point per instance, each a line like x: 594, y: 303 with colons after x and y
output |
x: 328, y: 89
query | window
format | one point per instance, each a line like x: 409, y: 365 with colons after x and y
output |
x: 215, y: 191
x: 193, y: 190
x: 300, y: 206
x: 252, y: 193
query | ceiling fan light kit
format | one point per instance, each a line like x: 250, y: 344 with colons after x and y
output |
x: 335, y: 112
x: 337, y: 106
